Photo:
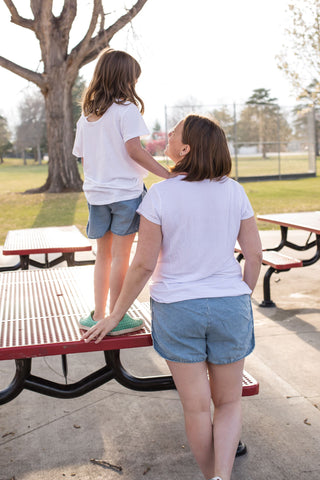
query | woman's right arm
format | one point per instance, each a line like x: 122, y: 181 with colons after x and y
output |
x: 250, y: 244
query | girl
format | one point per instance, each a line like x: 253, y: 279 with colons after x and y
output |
x: 114, y: 163
x: 201, y: 308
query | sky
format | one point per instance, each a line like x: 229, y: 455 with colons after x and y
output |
x: 216, y: 52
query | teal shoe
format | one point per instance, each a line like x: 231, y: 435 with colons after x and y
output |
x: 88, y: 322
x: 127, y: 325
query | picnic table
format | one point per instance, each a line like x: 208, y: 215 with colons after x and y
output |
x: 48, y: 240
x: 277, y: 261
x: 39, y: 315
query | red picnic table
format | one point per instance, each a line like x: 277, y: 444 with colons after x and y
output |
x: 277, y: 261
x: 30, y: 241
x: 39, y: 315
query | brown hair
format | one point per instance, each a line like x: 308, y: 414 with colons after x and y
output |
x: 209, y: 156
x: 113, y: 81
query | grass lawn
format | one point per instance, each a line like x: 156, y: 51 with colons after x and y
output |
x: 40, y: 210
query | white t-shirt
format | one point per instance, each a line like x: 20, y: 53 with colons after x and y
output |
x: 200, y: 222
x: 110, y: 175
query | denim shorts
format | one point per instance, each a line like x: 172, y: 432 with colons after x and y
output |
x: 119, y: 217
x: 218, y: 330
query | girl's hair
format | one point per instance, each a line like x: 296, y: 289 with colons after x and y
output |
x: 209, y: 156
x: 113, y: 81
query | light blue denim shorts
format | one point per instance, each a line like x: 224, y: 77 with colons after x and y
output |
x: 119, y: 217
x: 218, y: 330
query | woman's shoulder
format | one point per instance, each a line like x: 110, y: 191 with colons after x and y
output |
x: 230, y: 183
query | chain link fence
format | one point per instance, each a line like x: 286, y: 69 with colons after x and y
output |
x: 266, y: 141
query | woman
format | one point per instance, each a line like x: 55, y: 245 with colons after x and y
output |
x: 201, y: 308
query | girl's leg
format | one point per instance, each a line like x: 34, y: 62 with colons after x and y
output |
x: 192, y: 383
x: 121, y: 249
x: 226, y: 390
x: 102, y: 274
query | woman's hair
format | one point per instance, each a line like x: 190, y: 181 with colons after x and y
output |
x: 209, y: 156
x: 113, y: 81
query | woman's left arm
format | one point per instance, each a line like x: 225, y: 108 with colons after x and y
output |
x: 141, y: 269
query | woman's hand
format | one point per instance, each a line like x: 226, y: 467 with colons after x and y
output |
x: 100, y: 330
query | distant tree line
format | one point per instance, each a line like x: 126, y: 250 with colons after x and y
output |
x: 261, y: 122
x: 29, y: 138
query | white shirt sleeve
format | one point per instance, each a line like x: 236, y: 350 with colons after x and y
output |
x: 246, y: 208
x: 132, y: 124
x: 150, y: 207
x: 78, y: 141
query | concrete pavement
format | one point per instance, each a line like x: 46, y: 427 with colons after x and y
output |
x: 142, y: 434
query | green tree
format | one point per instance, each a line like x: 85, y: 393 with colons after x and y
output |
x: 262, y: 123
x: 77, y: 91
x: 5, y: 136
x: 61, y: 64
x: 156, y: 127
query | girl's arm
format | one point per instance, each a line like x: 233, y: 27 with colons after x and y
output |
x: 143, y: 158
x: 143, y: 264
x: 250, y: 243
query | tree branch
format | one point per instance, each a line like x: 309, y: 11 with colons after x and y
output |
x: 103, y: 38
x: 16, y: 18
x: 67, y: 16
x: 122, y: 21
x: 79, y: 51
x: 29, y: 75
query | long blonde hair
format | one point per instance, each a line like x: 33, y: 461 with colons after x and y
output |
x: 113, y: 81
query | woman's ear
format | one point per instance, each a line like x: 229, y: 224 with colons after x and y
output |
x: 185, y: 150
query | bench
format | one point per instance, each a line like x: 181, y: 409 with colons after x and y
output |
x: 277, y: 262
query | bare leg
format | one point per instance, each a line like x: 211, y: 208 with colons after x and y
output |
x: 226, y: 389
x: 102, y: 275
x: 192, y: 383
x: 121, y: 249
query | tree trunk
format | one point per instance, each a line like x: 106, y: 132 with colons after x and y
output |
x: 63, y: 175
x: 38, y: 154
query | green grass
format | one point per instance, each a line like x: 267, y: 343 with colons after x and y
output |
x: 39, y: 210
x: 270, y: 166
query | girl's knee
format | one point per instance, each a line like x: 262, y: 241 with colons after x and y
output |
x: 198, y: 404
x: 227, y: 402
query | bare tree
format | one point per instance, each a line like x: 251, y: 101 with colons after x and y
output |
x: 183, y: 107
x: 60, y: 70
x: 30, y: 132
x: 299, y: 58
